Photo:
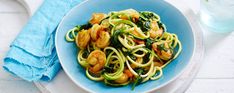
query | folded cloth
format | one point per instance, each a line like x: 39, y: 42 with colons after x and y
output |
x: 32, y: 55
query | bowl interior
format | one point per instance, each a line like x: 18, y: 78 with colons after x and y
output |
x: 170, y: 16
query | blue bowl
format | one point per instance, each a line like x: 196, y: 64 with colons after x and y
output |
x: 170, y: 16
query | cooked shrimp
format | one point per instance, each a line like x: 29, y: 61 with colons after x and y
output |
x: 97, y: 18
x: 154, y: 46
x: 155, y: 31
x: 99, y: 36
x: 122, y: 79
x: 164, y: 54
x: 154, y: 34
x: 96, y: 60
x: 139, y: 41
x: 128, y: 72
x: 82, y: 39
x: 103, y: 40
x: 94, y: 32
x: 130, y: 12
x: 135, y: 32
x: 154, y: 25
x: 158, y: 64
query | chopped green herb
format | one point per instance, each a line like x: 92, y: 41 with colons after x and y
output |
x: 86, y: 53
x: 138, y: 79
x: 146, y: 58
x: 85, y: 26
x: 148, y: 43
x: 114, y: 38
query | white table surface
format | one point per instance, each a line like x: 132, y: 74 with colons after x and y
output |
x: 215, y: 76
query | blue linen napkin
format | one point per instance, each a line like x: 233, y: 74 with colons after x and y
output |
x: 32, y: 55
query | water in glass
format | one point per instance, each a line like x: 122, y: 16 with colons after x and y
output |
x: 217, y: 15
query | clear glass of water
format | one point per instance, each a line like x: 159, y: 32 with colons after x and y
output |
x: 217, y: 15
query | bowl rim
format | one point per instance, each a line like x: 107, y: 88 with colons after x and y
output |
x: 195, y: 55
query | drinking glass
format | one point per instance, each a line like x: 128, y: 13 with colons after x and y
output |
x: 217, y: 15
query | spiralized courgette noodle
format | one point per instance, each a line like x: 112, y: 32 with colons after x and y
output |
x: 124, y: 47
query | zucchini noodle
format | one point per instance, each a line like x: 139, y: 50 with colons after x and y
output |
x: 139, y: 64
x: 70, y: 36
x: 92, y: 77
x: 119, y: 72
x: 124, y: 47
x: 124, y: 42
x: 81, y: 60
x: 154, y: 72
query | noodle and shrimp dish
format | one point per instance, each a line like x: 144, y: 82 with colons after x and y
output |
x: 124, y: 47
